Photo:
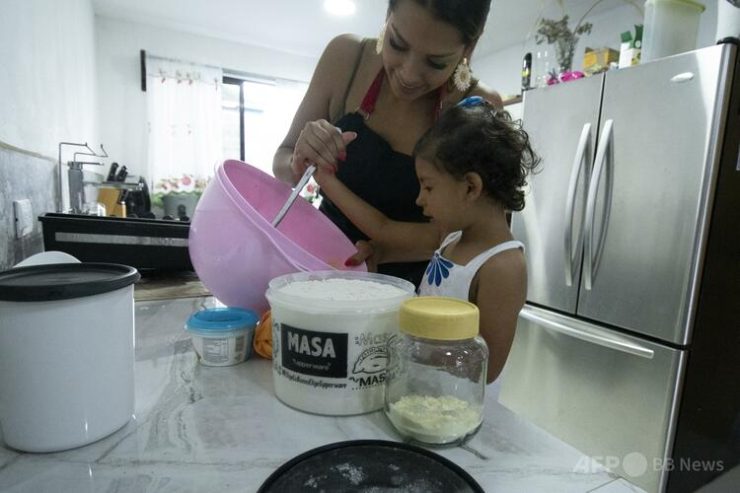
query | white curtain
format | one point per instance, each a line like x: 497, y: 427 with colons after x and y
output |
x: 270, y: 108
x: 184, y: 120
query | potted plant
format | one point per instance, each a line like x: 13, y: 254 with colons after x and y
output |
x: 564, y: 39
x: 557, y: 33
x: 178, y: 196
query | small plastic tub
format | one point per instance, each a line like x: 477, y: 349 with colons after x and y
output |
x: 222, y: 336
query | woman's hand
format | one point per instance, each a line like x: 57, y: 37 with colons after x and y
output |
x: 320, y: 143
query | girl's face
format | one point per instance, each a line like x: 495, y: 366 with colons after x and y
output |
x: 420, y: 53
x: 441, y: 196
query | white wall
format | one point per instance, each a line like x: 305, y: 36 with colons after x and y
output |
x: 502, y: 70
x: 47, y: 95
x: 47, y: 74
x: 122, y: 104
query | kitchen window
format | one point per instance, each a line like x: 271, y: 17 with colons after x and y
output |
x: 183, y: 118
x: 256, y: 115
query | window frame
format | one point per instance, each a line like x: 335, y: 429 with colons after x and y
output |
x: 231, y: 80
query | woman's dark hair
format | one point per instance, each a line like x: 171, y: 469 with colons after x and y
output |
x: 468, y: 16
x: 480, y: 139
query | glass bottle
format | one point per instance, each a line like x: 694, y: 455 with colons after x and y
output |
x: 527, y: 72
x: 437, y: 365
x: 542, y: 68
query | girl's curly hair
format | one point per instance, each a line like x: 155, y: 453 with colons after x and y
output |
x: 486, y: 141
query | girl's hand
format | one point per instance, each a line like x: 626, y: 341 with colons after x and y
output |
x: 325, y: 179
x: 320, y: 143
x: 367, y: 253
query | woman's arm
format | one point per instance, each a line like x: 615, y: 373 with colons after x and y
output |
x: 311, y: 137
x: 393, y: 241
x: 500, y: 295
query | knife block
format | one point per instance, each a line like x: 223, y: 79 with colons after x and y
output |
x: 110, y: 198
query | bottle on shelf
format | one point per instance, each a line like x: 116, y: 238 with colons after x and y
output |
x: 527, y: 72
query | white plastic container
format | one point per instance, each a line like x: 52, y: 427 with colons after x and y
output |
x: 329, y: 338
x: 222, y: 336
x: 66, y: 354
x: 671, y: 27
x: 728, y: 20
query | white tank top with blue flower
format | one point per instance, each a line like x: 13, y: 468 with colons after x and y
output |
x: 443, y: 277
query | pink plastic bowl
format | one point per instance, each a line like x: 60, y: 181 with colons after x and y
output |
x: 234, y: 248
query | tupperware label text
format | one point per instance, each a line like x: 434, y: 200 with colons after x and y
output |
x: 319, y: 354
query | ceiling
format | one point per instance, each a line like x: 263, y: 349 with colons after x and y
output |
x: 302, y: 27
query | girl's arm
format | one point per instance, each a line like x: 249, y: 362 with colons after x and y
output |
x: 393, y: 241
x: 500, y: 295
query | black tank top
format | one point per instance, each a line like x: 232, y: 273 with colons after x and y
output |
x: 385, y: 179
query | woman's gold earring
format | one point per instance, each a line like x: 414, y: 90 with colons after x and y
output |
x: 462, y: 76
x: 379, y: 43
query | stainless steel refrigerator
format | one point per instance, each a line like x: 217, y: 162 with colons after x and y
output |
x: 629, y: 344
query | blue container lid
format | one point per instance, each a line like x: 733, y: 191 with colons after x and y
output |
x: 222, y: 319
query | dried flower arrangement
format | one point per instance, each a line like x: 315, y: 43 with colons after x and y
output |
x: 557, y: 33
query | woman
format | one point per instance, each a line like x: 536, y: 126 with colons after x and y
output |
x: 384, y: 94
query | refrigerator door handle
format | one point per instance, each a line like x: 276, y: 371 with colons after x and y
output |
x: 592, y: 335
x: 591, y: 260
x: 571, y: 254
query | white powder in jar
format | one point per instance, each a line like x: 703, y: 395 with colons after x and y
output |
x: 437, y: 420
x: 342, y: 290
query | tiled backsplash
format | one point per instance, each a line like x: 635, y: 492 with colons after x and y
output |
x: 24, y: 175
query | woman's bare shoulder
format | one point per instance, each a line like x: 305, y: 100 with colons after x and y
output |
x: 337, y: 64
x: 482, y: 90
x: 343, y: 50
x: 345, y: 70
x: 479, y: 89
x: 334, y: 73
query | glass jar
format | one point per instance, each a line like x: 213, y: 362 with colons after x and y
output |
x: 542, y: 67
x: 436, y: 376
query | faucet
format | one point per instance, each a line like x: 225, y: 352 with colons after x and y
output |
x: 75, y: 184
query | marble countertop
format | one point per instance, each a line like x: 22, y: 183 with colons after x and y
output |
x: 209, y: 429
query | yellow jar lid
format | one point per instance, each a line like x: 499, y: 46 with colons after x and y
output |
x: 439, y: 317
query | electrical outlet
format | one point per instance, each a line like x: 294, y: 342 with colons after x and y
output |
x: 23, y: 214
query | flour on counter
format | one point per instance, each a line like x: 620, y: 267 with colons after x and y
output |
x: 341, y: 290
x: 429, y: 419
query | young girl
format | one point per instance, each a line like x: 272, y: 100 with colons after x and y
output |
x: 471, y: 166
